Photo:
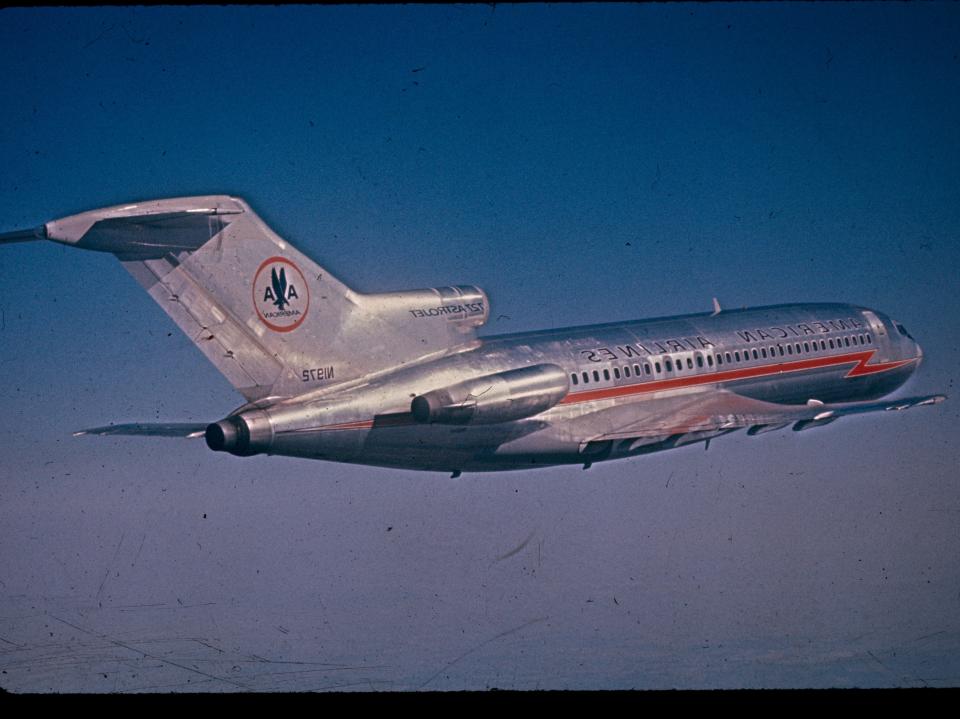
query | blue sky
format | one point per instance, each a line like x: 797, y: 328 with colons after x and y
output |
x: 581, y: 163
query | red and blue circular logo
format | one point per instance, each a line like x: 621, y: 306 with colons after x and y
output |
x: 281, y: 296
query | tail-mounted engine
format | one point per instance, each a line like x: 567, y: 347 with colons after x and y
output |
x: 499, y: 397
x: 242, y: 434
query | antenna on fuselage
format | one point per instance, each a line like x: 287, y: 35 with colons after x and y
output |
x: 716, y: 307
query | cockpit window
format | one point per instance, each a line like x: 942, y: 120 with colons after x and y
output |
x: 902, y: 330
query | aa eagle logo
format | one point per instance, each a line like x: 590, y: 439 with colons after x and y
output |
x: 281, y: 296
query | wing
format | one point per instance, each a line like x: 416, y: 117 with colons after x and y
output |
x: 721, y: 411
x: 170, y: 429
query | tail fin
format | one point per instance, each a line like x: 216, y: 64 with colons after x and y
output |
x: 270, y: 319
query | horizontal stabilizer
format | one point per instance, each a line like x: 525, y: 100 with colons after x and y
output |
x: 37, y: 233
x: 169, y: 429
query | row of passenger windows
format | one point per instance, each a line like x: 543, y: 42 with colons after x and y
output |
x: 676, y: 364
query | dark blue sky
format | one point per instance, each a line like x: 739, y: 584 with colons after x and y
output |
x: 582, y: 163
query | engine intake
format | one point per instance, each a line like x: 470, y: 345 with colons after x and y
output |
x: 493, y: 398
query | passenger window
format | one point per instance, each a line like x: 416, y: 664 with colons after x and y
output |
x: 869, y: 340
x: 780, y: 347
x: 763, y: 352
x: 657, y: 364
x: 616, y: 373
x: 646, y: 368
x: 636, y: 369
x: 806, y: 346
x: 606, y: 374
x: 689, y: 363
x: 596, y: 376
x: 846, y: 341
x: 755, y: 355
x: 709, y: 361
x: 789, y: 349
x: 586, y: 377
x: 573, y: 378
x: 626, y: 371
x: 719, y: 359
x: 737, y: 355
x: 728, y: 358
x: 668, y: 365
x: 831, y: 343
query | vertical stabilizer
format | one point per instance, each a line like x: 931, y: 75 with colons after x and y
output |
x: 270, y: 319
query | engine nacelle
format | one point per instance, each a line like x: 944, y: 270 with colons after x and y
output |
x: 499, y: 397
x: 243, y: 434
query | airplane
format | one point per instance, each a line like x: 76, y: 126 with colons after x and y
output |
x: 402, y: 379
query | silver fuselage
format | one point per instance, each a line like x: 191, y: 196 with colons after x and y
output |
x: 402, y: 379
x: 787, y: 354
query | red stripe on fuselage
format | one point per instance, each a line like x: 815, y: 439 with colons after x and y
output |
x: 861, y: 359
x: 863, y: 368
x: 400, y: 419
x: 359, y: 424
